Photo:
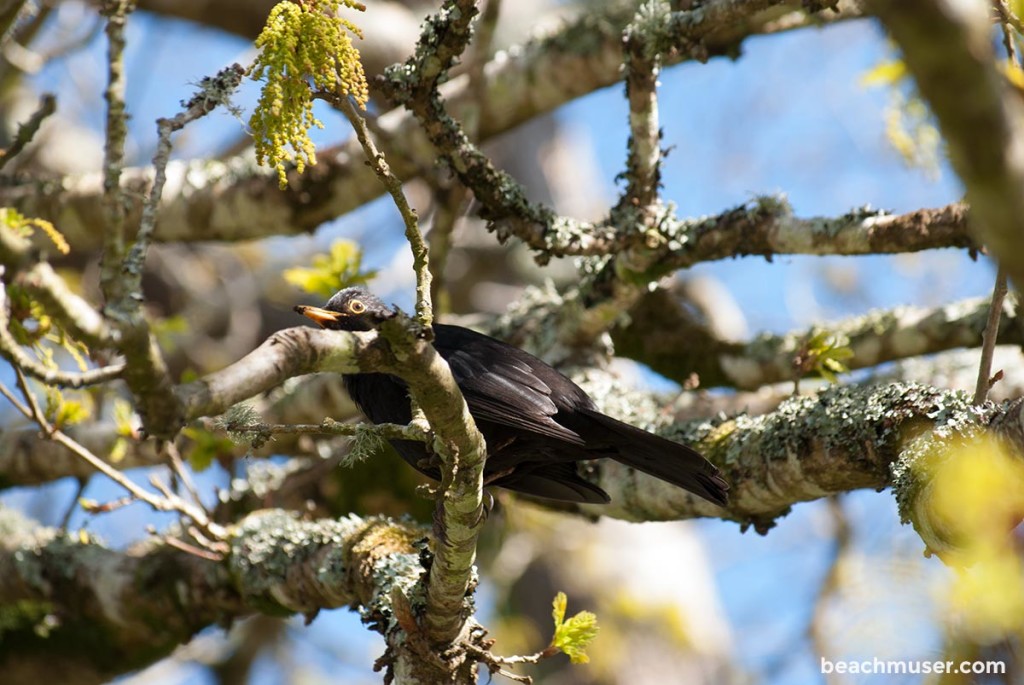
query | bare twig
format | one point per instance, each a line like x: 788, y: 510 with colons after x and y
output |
x: 1006, y: 17
x: 193, y: 550
x: 180, y: 472
x: 375, y: 158
x: 496, y: 663
x: 988, y: 344
x: 985, y: 378
x: 28, y: 130
x: 83, y: 483
x: 33, y: 412
x: 214, y: 92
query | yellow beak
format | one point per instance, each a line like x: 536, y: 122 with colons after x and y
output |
x: 322, y: 317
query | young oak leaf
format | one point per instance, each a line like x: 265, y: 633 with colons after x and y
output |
x: 340, y: 268
x: 572, y: 636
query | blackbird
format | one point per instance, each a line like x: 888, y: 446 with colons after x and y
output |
x: 537, y: 423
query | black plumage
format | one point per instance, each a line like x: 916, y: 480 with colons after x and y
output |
x: 537, y: 423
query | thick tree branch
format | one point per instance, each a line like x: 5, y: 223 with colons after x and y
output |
x: 947, y: 46
x: 843, y: 438
x: 664, y: 335
x: 298, y: 351
x: 288, y: 353
x: 765, y: 227
x: 108, y: 612
x: 433, y: 389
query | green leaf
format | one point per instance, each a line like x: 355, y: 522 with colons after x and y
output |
x: 340, y: 268
x: 826, y: 352
x: 573, y: 636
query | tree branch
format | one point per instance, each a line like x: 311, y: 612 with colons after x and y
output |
x: 842, y: 438
x: 663, y: 335
x: 108, y: 612
x: 28, y: 130
x: 978, y: 111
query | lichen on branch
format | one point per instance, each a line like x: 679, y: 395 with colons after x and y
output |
x: 303, y: 41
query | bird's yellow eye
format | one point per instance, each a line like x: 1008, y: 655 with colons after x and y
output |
x: 356, y: 307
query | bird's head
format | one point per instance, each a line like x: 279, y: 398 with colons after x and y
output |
x: 351, y: 309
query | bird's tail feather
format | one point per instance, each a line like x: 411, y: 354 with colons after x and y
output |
x: 656, y: 456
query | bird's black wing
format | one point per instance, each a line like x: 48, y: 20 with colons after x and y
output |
x: 504, y: 385
x: 555, y: 480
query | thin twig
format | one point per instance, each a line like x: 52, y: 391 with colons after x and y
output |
x: 988, y: 343
x: 28, y: 130
x: 169, y: 502
x: 193, y: 550
x: 178, y: 467
x: 495, y: 663
x: 375, y: 158
x: 214, y: 92
x: 35, y: 412
x: 450, y: 195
